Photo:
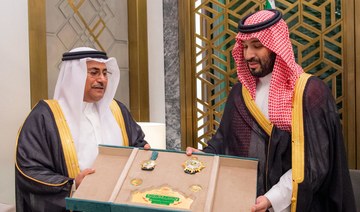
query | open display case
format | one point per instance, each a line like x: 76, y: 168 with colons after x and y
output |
x: 120, y: 184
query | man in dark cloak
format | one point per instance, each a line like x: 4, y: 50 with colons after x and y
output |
x: 59, y: 140
x: 286, y: 119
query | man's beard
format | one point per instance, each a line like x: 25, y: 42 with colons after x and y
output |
x: 266, y: 66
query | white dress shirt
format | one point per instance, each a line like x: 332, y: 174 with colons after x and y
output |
x: 89, y: 137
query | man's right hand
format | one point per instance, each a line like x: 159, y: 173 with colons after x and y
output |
x: 79, y: 178
x: 190, y: 150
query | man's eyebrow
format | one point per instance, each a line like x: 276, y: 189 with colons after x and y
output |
x: 98, y: 69
x: 251, y: 41
x: 255, y: 41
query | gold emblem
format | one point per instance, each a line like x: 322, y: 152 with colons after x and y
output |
x: 193, y: 166
x: 148, y: 165
x: 136, y: 181
x: 163, y: 196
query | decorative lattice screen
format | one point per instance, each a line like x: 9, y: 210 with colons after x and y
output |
x: 316, y: 31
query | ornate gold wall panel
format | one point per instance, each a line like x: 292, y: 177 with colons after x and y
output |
x: 317, y: 33
x: 138, y: 58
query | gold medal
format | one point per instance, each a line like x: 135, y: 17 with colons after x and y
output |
x: 149, y: 165
x: 195, y: 188
x: 136, y: 181
x: 193, y: 165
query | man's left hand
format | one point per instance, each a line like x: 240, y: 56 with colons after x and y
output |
x: 262, y: 204
x: 79, y: 178
x: 147, y: 146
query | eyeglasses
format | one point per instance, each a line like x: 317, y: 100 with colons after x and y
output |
x: 96, y: 73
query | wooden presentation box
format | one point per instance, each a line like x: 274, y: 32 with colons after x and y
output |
x: 120, y: 184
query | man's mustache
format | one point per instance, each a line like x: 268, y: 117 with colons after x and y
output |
x: 253, y: 60
x: 100, y: 85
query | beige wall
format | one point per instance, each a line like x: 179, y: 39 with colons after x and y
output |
x: 14, y: 87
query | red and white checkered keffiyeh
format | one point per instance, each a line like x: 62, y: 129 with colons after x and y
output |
x: 285, y: 72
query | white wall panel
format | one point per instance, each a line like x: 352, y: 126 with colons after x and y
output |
x: 14, y: 88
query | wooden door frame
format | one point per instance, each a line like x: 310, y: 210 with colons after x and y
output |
x: 351, y: 103
x: 356, y: 70
x: 37, y: 51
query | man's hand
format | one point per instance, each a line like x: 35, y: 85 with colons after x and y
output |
x: 147, y: 146
x: 79, y: 178
x: 190, y: 150
x: 262, y: 204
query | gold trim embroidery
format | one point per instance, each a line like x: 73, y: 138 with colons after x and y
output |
x: 116, y: 111
x: 67, y: 141
x: 256, y: 112
x: 33, y: 179
x: 297, y: 130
